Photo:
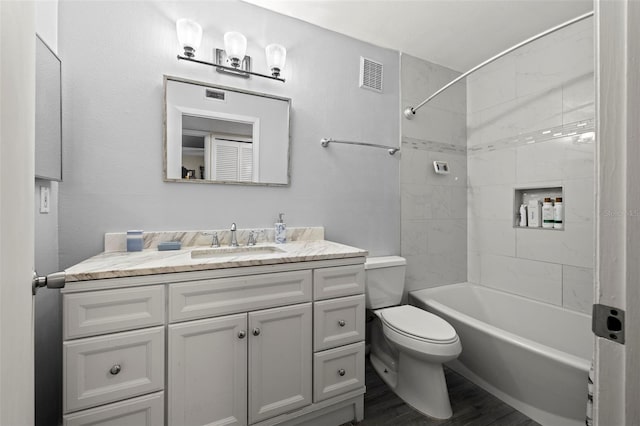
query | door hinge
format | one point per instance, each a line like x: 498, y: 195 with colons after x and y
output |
x: 608, y: 322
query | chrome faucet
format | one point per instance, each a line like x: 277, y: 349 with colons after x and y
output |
x: 253, y: 239
x: 214, y: 240
x: 234, y: 241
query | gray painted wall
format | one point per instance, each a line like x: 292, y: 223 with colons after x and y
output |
x: 115, y: 55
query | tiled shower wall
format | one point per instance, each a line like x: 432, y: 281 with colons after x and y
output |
x: 510, y: 103
x: 433, y: 207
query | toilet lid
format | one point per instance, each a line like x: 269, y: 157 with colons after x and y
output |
x: 419, y: 324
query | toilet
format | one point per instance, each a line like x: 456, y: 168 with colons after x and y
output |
x: 408, y: 345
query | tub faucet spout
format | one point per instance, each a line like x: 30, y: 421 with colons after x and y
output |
x: 234, y: 241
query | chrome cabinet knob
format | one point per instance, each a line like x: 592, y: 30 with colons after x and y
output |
x: 256, y: 331
x: 342, y: 323
x: 242, y: 334
x: 341, y: 372
x: 115, y: 369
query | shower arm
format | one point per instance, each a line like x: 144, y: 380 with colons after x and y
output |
x: 411, y: 111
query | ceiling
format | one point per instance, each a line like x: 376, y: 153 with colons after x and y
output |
x: 458, y: 34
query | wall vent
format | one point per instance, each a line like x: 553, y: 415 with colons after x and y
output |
x: 214, y: 94
x: 370, y: 74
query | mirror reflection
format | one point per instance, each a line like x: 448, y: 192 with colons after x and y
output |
x: 220, y: 135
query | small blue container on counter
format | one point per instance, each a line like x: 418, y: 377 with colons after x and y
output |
x: 169, y: 245
x: 134, y: 240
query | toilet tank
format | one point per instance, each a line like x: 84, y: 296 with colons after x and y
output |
x: 384, y: 282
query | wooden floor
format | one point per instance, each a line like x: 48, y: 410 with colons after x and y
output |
x: 472, y: 406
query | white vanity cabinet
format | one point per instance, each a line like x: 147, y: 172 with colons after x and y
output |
x: 114, y: 351
x: 339, y: 327
x: 256, y: 345
x: 239, y: 368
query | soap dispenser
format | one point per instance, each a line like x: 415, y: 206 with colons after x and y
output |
x: 281, y: 230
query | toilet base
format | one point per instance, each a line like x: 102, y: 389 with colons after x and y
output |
x: 418, y: 383
x: 389, y: 376
x: 423, y: 386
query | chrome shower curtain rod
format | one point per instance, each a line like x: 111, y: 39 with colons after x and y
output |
x: 411, y: 111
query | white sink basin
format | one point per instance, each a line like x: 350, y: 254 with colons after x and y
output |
x: 234, y: 251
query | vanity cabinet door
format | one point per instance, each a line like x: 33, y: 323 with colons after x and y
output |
x: 280, y: 361
x: 207, y: 376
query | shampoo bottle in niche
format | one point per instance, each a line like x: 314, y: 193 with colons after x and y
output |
x: 533, y: 218
x: 547, y: 213
x: 281, y: 230
x: 558, y: 212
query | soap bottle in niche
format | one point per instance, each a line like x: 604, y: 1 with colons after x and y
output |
x: 281, y: 230
x: 523, y: 215
x: 547, y: 213
x: 558, y: 212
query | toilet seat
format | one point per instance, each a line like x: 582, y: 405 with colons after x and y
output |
x: 415, y: 323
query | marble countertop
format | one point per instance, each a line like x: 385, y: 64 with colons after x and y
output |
x: 119, y: 264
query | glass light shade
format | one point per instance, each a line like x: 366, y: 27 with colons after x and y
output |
x: 235, y: 45
x: 189, y: 36
x: 276, y: 57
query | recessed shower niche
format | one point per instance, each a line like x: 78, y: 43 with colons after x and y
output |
x: 542, y: 208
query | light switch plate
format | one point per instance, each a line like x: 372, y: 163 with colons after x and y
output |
x: 45, y: 199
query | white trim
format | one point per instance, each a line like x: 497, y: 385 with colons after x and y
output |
x: 617, y: 229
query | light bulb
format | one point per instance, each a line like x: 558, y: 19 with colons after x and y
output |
x: 189, y: 36
x: 235, y: 45
x: 276, y: 57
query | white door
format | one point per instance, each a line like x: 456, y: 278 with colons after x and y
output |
x: 207, y: 380
x: 17, y: 133
x: 280, y: 360
x: 617, y: 366
x: 233, y: 160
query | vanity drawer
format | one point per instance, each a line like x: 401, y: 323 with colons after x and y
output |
x: 338, y: 281
x: 338, y: 322
x: 221, y: 296
x: 146, y: 410
x: 104, y: 369
x: 337, y: 371
x: 108, y: 311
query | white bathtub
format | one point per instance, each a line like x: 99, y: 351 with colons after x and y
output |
x: 532, y: 355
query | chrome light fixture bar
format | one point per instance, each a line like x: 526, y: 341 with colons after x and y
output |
x: 230, y: 69
x: 190, y: 36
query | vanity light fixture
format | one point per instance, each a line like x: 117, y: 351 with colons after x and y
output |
x: 234, y: 53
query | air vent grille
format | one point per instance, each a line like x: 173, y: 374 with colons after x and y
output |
x: 214, y: 94
x: 370, y: 74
